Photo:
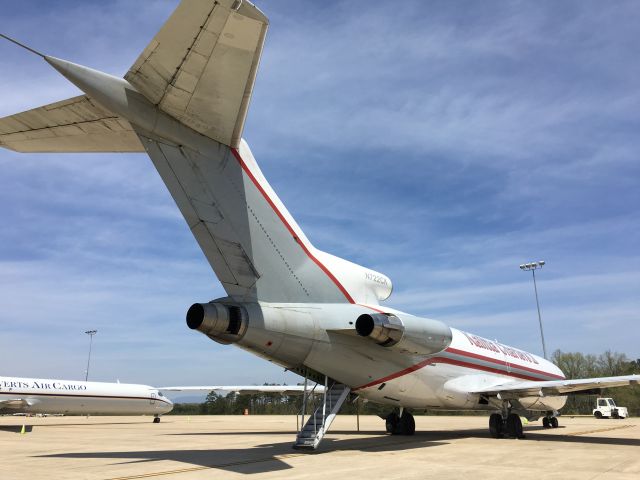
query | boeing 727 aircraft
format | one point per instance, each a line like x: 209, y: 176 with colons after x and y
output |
x: 45, y: 395
x: 184, y: 103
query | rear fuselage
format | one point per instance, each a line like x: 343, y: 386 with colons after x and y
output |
x: 322, y: 337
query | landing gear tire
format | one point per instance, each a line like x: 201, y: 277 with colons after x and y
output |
x: 598, y: 415
x: 397, y: 425
x: 514, y: 426
x: 495, y: 425
x: 391, y: 423
x: 553, y: 421
x: 546, y: 422
x: 407, y: 425
x: 156, y: 419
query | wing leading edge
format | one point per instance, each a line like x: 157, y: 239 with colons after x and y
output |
x: 557, y: 387
x: 249, y: 389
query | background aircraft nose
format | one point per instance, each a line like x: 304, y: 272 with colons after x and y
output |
x: 167, y: 406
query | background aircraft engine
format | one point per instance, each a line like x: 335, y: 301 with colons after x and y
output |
x: 220, y: 322
x: 409, y: 334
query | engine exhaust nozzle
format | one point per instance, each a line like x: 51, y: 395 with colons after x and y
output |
x: 221, y: 322
x: 384, y: 329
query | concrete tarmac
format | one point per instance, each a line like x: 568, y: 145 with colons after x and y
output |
x: 221, y: 447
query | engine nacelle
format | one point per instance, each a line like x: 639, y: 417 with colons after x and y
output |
x: 220, y: 322
x: 409, y: 334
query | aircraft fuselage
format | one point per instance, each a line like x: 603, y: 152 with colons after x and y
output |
x: 50, y: 396
x: 322, y: 337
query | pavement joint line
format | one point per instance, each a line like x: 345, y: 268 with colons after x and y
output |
x: 242, y: 462
x: 611, y: 469
x: 599, y: 430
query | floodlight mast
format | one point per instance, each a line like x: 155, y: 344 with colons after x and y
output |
x: 532, y: 266
x: 91, y: 333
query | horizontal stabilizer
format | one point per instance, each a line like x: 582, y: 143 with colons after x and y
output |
x: 74, y: 125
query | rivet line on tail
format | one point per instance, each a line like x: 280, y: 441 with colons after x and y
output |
x: 293, y: 233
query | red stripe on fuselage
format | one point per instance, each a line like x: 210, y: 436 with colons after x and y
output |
x: 503, y: 363
x: 401, y: 373
x: 484, y: 368
x: 461, y: 363
x: 375, y: 309
x: 82, y: 395
x: 293, y: 233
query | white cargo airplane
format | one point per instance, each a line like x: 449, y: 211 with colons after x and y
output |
x: 69, y: 397
x: 184, y: 103
x: 50, y: 396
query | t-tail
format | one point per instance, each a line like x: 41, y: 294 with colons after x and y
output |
x: 184, y: 102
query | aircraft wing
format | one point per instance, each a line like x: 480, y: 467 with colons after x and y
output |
x: 557, y: 387
x: 74, y: 125
x: 248, y: 389
x: 201, y: 67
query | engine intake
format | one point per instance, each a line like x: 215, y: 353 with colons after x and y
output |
x: 409, y: 334
x: 220, y: 322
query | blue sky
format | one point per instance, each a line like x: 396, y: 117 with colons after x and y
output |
x: 442, y: 143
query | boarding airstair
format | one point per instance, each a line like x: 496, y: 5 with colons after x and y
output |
x: 318, y: 423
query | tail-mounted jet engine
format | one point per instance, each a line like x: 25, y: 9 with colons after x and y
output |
x: 220, y: 322
x: 409, y: 334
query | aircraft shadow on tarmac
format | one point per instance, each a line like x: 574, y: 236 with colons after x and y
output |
x: 272, y: 456
x: 29, y: 428
x: 254, y: 458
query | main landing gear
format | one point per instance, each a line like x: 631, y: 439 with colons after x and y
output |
x: 550, y: 421
x: 509, y: 425
x: 402, y: 424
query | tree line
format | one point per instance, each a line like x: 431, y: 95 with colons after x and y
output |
x: 573, y: 364
x: 608, y: 364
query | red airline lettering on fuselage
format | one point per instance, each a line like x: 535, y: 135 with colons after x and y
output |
x: 499, y: 348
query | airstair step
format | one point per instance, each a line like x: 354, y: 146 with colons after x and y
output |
x: 319, y: 422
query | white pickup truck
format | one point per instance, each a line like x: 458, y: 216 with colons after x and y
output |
x: 606, y: 408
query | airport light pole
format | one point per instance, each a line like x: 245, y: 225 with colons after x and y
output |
x: 91, y: 333
x: 532, y: 267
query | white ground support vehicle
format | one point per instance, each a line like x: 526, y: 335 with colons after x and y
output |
x: 606, y: 408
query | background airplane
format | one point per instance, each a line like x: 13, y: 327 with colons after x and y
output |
x: 184, y: 103
x: 69, y: 397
